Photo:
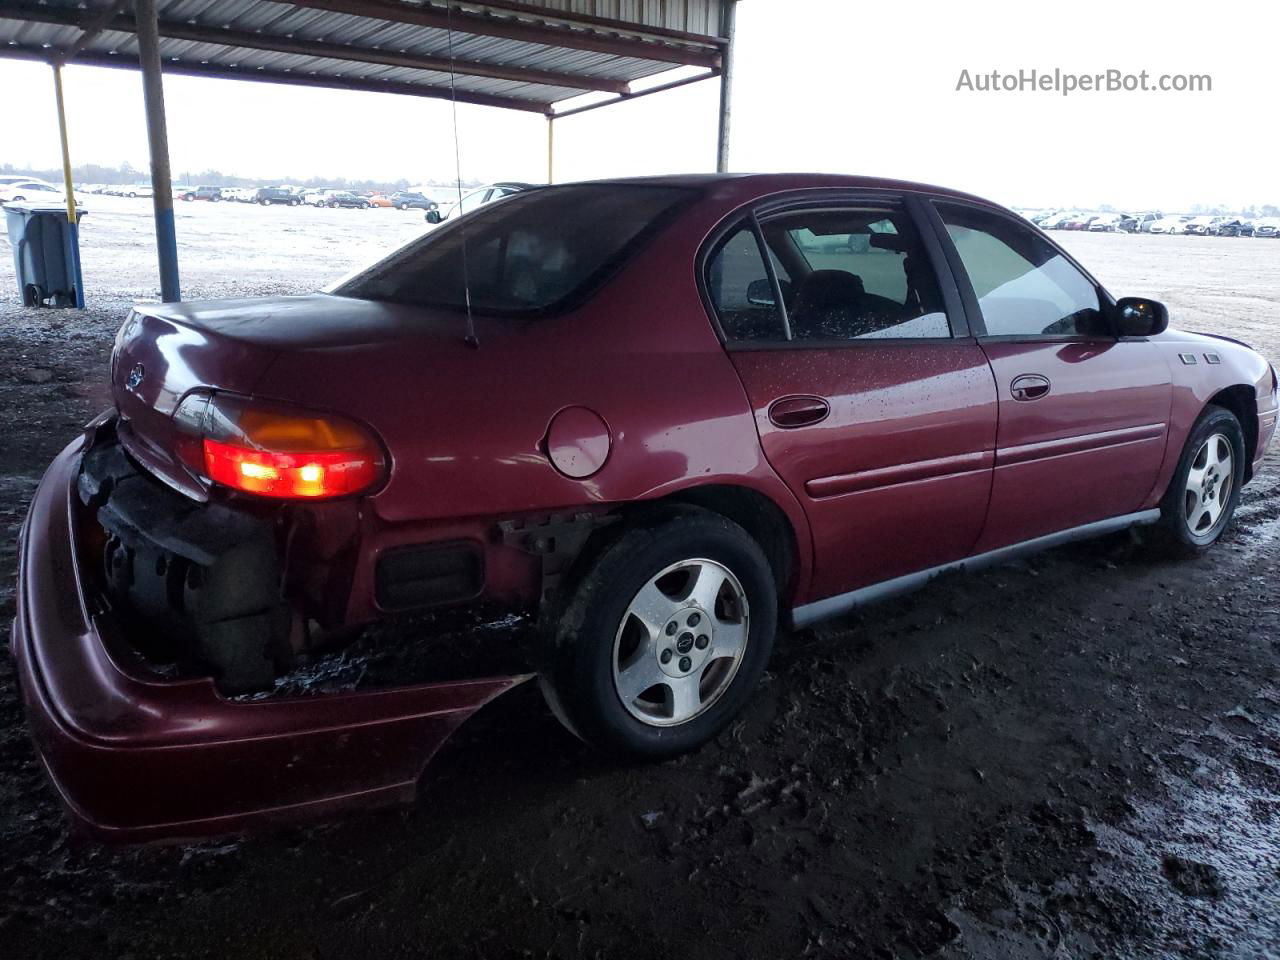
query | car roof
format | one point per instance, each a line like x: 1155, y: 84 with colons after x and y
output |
x: 765, y: 183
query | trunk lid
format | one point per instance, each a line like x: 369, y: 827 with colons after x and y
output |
x: 165, y: 351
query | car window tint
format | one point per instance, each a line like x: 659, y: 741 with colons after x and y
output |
x: 739, y: 287
x: 855, y: 274
x: 530, y: 255
x: 1024, y: 286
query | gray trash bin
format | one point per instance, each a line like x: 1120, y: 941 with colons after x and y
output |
x: 46, y: 254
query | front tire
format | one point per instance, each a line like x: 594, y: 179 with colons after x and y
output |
x: 1205, y: 489
x: 664, y: 637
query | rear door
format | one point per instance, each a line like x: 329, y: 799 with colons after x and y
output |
x: 872, y: 402
x: 1083, y: 415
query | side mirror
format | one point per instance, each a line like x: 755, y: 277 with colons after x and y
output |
x: 760, y: 293
x: 433, y: 216
x: 1139, y: 317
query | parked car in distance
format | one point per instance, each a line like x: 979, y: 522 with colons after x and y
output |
x: 1112, y: 223
x: 212, y: 194
x: 1235, y: 227
x: 1145, y: 220
x: 344, y: 198
x: 1056, y: 220
x: 1081, y: 222
x: 1269, y: 227
x: 266, y: 483
x: 478, y: 198
x: 33, y: 191
x: 1204, y: 226
x: 1169, y: 225
x: 276, y: 195
x: 405, y: 200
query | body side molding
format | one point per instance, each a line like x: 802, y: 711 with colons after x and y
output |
x: 819, y: 610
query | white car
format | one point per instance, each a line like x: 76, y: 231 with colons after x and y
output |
x: 33, y: 191
x: 1107, y: 223
x: 1170, y: 225
x: 476, y: 199
x: 9, y: 179
x: 1057, y: 220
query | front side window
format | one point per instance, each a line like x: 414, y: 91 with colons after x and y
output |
x: 530, y: 255
x: 845, y: 274
x: 1024, y: 285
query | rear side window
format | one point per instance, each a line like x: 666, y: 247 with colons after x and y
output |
x: 1024, y: 286
x: 740, y: 290
x: 533, y: 254
x: 844, y: 274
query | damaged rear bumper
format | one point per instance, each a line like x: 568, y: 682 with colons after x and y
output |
x: 139, y: 758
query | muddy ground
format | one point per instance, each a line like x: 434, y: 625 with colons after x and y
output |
x: 1076, y: 756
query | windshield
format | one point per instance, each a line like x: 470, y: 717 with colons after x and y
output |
x: 532, y: 254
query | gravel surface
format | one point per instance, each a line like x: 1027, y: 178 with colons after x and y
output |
x: 1075, y: 756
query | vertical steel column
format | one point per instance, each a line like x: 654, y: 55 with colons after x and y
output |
x: 73, y: 217
x: 158, y: 140
x: 728, y: 16
x: 551, y: 148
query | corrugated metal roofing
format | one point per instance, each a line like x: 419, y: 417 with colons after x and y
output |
x: 521, y: 55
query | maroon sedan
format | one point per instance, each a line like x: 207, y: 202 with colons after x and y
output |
x: 663, y: 417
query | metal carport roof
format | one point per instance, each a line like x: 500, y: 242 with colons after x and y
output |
x: 516, y: 55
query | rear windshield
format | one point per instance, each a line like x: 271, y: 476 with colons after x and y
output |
x: 532, y: 254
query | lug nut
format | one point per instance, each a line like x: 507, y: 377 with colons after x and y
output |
x: 702, y: 641
x: 686, y: 664
x: 672, y: 627
x: 694, y: 619
x: 665, y: 656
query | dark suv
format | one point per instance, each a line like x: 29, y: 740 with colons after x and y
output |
x: 213, y: 194
x: 413, y: 201
x: 269, y: 195
x: 345, y: 199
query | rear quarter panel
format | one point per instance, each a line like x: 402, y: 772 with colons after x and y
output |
x: 467, y: 429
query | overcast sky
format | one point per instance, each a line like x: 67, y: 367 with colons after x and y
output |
x: 823, y: 85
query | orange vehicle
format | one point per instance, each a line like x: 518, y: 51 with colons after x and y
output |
x: 380, y: 200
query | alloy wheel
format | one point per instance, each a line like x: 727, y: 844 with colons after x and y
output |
x: 680, y: 642
x: 1209, y: 484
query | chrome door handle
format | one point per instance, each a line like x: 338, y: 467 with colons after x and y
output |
x: 1029, y: 386
x: 791, y: 412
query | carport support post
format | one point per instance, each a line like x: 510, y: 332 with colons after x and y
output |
x: 73, y: 224
x: 551, y: 148
x: 158, y: 140
x: 728, y: 15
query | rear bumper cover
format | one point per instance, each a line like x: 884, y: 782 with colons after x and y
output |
x: 137, y: 758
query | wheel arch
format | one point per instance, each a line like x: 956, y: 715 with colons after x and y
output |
x: 763, y: 519
x: 1242, y: 401
x: 758, y: 514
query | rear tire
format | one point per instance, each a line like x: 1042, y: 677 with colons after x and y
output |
x: 664, y: 637
x: 1205, y: 488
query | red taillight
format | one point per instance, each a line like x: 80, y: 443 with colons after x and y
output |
x: 314, y: 474
x: 277, y: 451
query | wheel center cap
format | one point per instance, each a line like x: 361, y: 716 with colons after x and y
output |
x: 685, y: 642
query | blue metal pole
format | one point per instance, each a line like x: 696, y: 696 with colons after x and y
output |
x: 158, y: 139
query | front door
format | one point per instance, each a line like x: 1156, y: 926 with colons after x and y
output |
x: 1083, y: 415
x: 878, y: 418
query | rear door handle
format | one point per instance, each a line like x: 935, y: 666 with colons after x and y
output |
x: 791, y: 412
x: 1029, y: 386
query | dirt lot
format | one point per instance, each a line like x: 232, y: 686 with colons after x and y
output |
x: 1076, y: 756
